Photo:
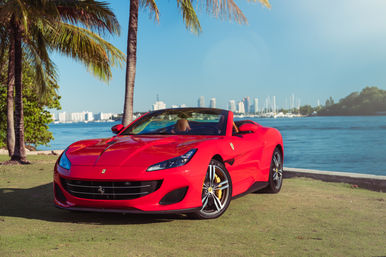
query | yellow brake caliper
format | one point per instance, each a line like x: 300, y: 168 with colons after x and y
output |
x: 219, y: 191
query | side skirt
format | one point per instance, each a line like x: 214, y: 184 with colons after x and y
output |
x: 255, y: 187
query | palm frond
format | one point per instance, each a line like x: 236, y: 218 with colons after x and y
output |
x: 225, y: 9
x: 152, y: 6
x: 25, y: 12
x: 263, y: 2
x: 85, y: 46
x: 189, y: 15
x: 45, y: 75
x: 36, y: 53
x: 92, y: 14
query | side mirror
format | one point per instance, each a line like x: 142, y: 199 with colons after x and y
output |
x: 248, y: 128
x: 117, y: 128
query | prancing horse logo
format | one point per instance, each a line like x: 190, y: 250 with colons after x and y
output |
x: 101, y: 190
x: 103, y: 171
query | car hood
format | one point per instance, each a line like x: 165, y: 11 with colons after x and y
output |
x: 137, y: 151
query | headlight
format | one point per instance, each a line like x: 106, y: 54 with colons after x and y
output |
x: 64, y: 162
x: 175, y: 162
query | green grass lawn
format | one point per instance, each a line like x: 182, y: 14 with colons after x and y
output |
x: 307, y: 218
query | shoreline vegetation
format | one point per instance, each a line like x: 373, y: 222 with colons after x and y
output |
x: 371, y: 101
x: 304, y: 219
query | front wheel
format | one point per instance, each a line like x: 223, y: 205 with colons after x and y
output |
x: 216, y: 192
x: 276, y: 173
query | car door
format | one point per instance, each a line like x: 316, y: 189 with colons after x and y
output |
x: 246, y: 160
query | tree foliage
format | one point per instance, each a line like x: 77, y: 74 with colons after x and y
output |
x: 370, y: 101
x: 35, y: 29
x: 330, y: 102
x: 36, y: 108
x: 306, y: 110
x: 73, y: 28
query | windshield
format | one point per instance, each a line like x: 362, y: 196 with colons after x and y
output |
x: 185, y: 121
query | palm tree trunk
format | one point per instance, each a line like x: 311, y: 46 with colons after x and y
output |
x: 2, y: 62
x: 19, y: 153
x: 131, y: 63
x: 10, y: 97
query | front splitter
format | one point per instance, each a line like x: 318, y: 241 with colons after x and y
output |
x: 131, y: 210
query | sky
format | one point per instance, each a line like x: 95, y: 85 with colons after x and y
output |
x: 313, y: 49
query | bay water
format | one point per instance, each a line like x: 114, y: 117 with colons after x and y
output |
x: 348, y: 144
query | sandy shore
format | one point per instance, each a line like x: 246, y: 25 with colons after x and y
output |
x: 49, y: 152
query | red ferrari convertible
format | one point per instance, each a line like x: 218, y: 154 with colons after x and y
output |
x: 187, y: 160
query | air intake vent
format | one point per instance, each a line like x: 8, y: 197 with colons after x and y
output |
x: 110, y: 190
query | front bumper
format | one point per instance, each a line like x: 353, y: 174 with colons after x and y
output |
x: 172, y: 179
x: 130, y: 211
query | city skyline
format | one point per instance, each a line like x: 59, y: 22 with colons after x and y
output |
x: 244, y: 105
x: 249, y: 104
x: 84, y: 116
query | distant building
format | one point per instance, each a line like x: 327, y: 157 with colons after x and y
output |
x: 158, y: 105
x: 89, y: 116
x: 241, y: 108
x: 247, y: 103
x: 274, y: 104
x: 212, y: 103
x: 256, y: 105
x: 103, y: 116
x: 78, y: 116
x: 267, y: 103
x: 64, y: 117
x: 201, y: 102
x: 178, y: 106
x: 232, y: 105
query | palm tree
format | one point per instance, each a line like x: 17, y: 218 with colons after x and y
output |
x: 37, y: 27
x: 4, y: 44
x: 224, y: 9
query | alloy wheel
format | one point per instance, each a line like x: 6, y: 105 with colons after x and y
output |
x: 215, y: 191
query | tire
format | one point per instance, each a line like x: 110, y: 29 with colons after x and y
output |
x: 216, y: 192
x: 275, y: 173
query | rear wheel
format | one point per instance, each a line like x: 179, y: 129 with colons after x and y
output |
x: 276, y: 173
x: 216, y: 191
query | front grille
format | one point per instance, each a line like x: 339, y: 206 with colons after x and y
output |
x: 110, y: 190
